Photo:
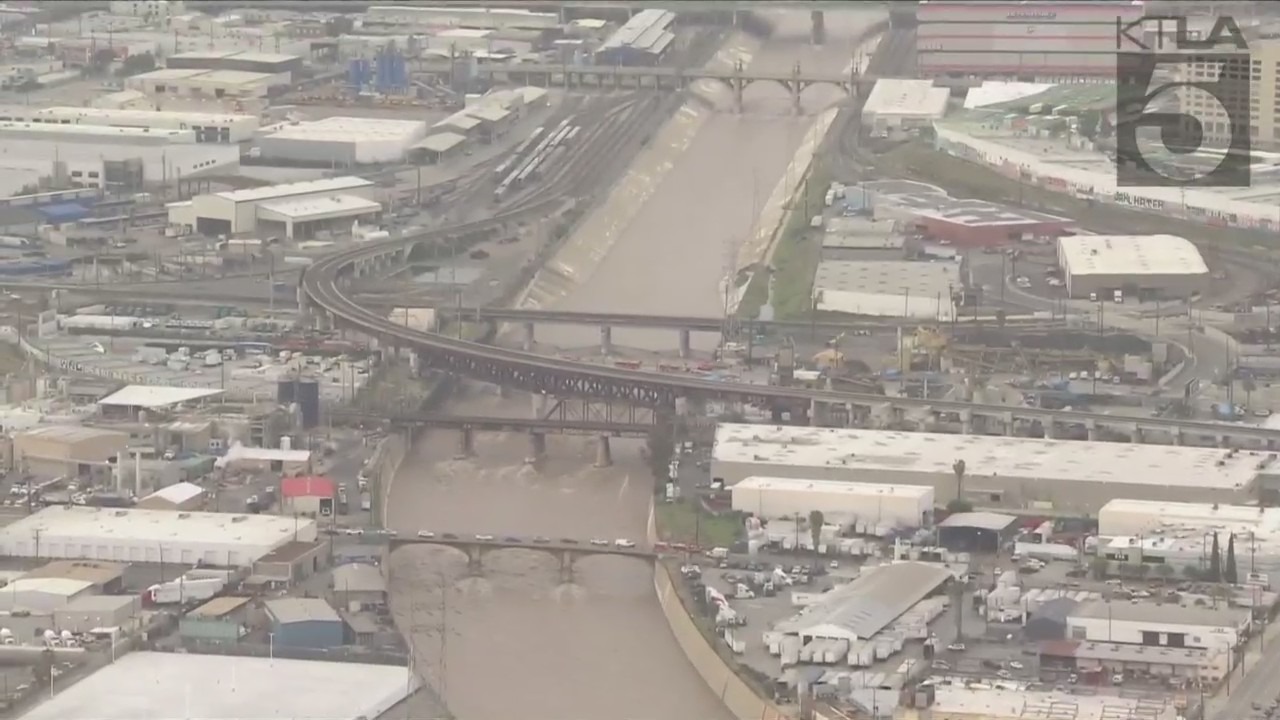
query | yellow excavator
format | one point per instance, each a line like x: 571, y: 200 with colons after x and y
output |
x: 830, y: 358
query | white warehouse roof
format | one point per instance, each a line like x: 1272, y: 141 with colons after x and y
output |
x: 305, y: 187
x: 353, y: 129
x: 135, y: 535
x: 178, y: 493
x: 316, y: 208
x: 95, y: 132
x: 985, y: 701
x: 907, y: 98
x: 65, y: 587
x: 154, y: 396
x: 1149, y: 519
x: 139, y: 116
x: 986, y: 456
x: 177, y: 685
x: 1130, y: 255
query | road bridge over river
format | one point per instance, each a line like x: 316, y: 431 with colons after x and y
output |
x: 566, y: 550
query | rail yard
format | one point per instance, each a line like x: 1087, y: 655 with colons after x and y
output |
x: 767, y: 361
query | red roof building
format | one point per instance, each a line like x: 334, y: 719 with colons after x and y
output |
x: 974, y: 223
x: 307, y: 486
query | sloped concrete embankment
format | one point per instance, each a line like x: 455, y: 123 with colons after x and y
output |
x: 736, y: 695
x: 582, y: 254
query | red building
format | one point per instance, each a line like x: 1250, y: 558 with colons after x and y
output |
x: 978, y: 223
x: 302, y: 495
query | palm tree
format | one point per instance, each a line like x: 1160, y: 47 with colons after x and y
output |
x: 816, y: 520
x: 959, y: 504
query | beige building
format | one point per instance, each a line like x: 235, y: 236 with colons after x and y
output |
x: 68, y: 450
x: 105, y: 577
x: 1264, y: 100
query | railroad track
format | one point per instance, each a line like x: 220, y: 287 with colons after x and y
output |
x: 321, y: 284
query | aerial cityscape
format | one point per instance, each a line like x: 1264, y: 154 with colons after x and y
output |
x: 639, y: 359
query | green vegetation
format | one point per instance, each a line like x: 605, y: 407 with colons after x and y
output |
x: 684, y: 521
x: 794, y: 258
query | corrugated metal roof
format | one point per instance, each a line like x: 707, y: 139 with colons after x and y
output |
x: 441, y: 142
x: 875, y: 599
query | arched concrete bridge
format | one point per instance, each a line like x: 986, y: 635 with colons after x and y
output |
x: 566, y: 550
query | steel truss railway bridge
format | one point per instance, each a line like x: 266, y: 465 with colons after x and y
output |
x: 565, y: 550
x: 323, y: 296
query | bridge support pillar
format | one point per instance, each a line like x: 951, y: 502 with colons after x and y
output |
x: 1050, y: 429
x: 528, y: 337
x: 819, y: 30
x: 1092, y: 429
x: 1224, y: 441
x: 604, y: 452
x: 1136, y: 435
x: 566, y: 566
x: 686, y: 346
x: 475, y: 560
x: 539, y: 405
x: 606, y: 340
x: 966, y: 422
x: 537, y: 447
x: 466, y: 444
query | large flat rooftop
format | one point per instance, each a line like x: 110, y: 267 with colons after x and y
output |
x: 1032, y: 705
x: 155, y: 526
x: 304, y: 187
x: 985, y: 456
x: 144, y: 685
x: 888, y: 277
x: 1130, y: 255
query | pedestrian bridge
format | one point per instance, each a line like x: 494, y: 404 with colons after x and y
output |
x: 566, y: 550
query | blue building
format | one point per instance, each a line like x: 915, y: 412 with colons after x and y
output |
x: 305, y: 623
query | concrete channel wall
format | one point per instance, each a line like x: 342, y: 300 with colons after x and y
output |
x: 737, y: 696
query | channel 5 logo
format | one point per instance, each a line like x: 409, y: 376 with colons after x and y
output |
x: 1181, y: 93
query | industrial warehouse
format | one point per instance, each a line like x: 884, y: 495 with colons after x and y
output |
x: 134, y: 535
x: 298, y: 208
x: 874, y: 509
x: 341, y: 141
x: 110, y: 158
x: 904, y: 105
x: 208, y: 127
x: 1142, y: 266
x: 643, y: 40
x: 1006, y: 472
